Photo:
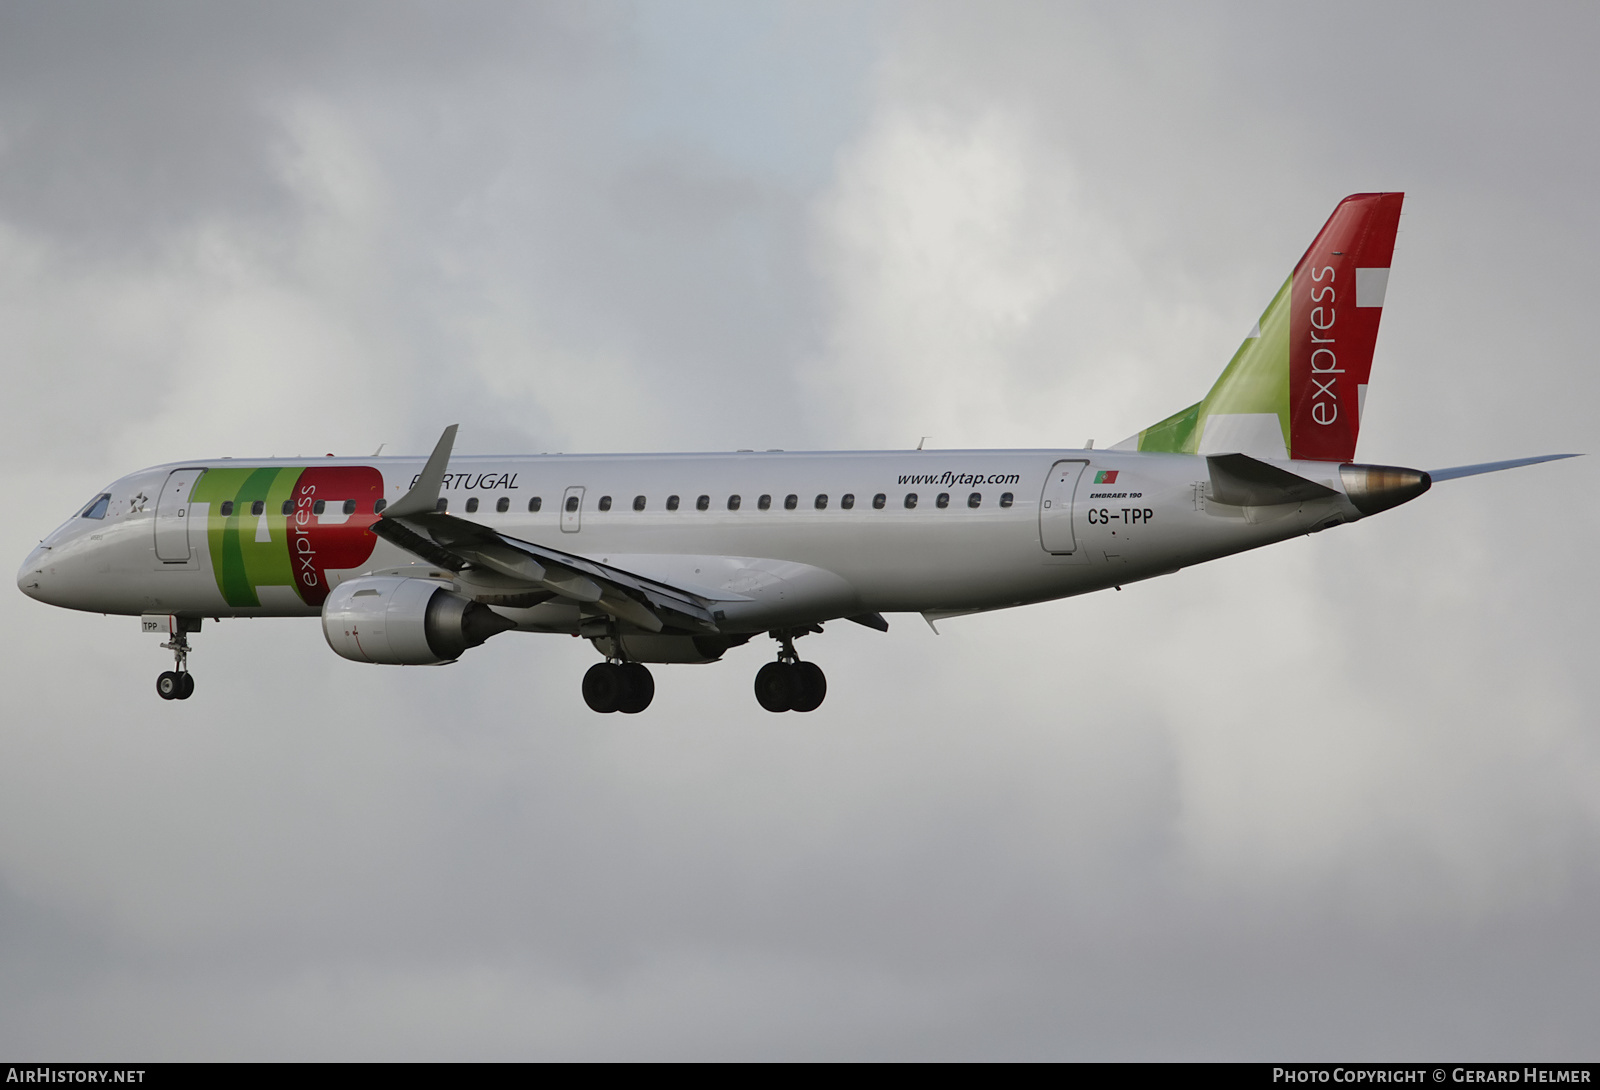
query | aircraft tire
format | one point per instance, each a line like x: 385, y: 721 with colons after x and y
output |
x: 810, y: 686
x: 604, y: 687
x: 640, y: 688
x: 168, y: 686
x: 185, y: 686
x: 775, y: 687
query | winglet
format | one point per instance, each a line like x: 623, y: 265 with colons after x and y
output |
x: 424, y: 495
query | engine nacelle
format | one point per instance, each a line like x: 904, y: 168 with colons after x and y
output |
x: 405, y: 622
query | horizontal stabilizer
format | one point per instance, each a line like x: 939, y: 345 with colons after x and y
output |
x: 1243, y: 481
x: 1493, y: 467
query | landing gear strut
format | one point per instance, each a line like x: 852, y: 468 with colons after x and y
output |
x: 789, y: 684
x: 625, y: 687
x: 177, y: 683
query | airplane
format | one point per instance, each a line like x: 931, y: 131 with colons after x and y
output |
x: 679, y: 558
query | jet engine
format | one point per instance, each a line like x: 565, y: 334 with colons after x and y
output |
x: 405, y: 622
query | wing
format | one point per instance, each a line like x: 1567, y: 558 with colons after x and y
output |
x: 414, y: 523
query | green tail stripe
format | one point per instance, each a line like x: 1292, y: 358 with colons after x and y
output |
x: 1255, y: 381
x: 1174, y: 435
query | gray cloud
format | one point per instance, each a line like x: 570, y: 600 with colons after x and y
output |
x: 1330, y: 800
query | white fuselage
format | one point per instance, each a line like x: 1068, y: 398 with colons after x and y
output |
x: 1040, y: 527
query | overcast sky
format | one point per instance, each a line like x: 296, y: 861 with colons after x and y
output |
x: 1336, y: 799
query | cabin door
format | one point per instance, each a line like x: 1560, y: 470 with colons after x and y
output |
x: 1055, y: 508
x: 172, y: 516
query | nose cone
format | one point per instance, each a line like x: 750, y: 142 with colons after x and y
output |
x: 30, y: 577
x: 1378, y: 488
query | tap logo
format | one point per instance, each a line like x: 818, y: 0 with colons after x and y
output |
x: 287, y: 527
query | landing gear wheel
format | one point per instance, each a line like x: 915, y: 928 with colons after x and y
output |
x: 775, y: 687
x: 604, y: 687
x: 639, y: 688
x: 177, y: 683
x: 808, y: 684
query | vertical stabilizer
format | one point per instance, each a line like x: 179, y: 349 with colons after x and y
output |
x: 1296, y: 387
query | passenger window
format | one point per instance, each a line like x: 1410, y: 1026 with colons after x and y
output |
x: 821, y: 501
x: 847, y: 501
x: 534, y: 504
x: 318, y: 507
x: 703, y: 503
x: 97, y: 506
x: 765, y: 502
x: 349, y: 507
x: 943, y: 500
x: 879, y: 500
x: 605, y: 503
x: 472, y: 505
x: 790, y: 502
x: 672, y: 503
x: 377, y: 508
x: 911, y: 499
x: 1005, y: 499
x: 733, y: 503
x: 975, y: 500
x: 503, y: 504
x: 227, y: 508
x: 572, y: 503
x: 259, y: 506
x: 288, y: 507
x: 638, y: 503
x: 442, y: 506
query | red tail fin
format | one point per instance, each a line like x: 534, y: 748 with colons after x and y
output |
x: 1336, y: 301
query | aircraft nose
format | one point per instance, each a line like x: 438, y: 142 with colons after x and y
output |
x: 1378, y: 488
x: 30, y: 577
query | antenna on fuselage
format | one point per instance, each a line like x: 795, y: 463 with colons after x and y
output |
x: 923, y: 440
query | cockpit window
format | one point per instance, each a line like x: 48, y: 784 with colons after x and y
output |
x: 97, y: 506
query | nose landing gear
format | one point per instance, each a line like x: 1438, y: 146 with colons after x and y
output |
x: 171, y: 685
x: 790, y: 684
x: 178, y: 683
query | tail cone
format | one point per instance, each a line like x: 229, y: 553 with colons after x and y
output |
x: 1378, y: 488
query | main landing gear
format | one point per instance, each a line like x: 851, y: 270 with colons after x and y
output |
x: 625, y: 687
x: 790, y: 685
x: 178, y: 683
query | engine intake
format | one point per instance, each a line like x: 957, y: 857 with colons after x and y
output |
x: 400, y: 621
